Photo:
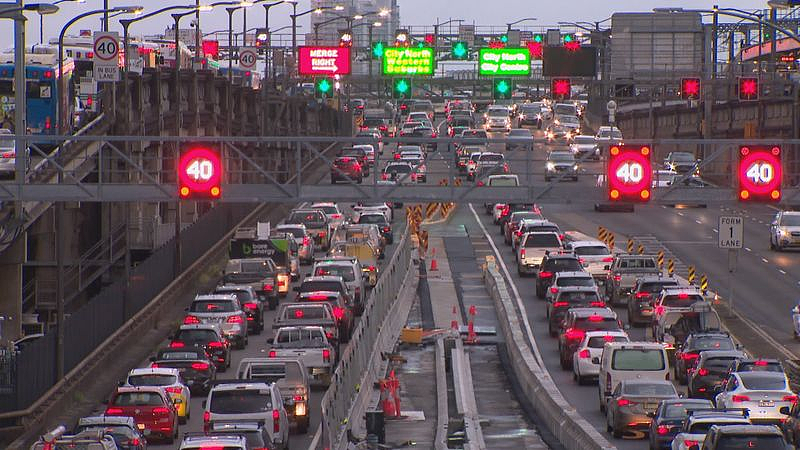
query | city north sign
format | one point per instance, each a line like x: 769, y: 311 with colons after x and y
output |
x: 324, y: 60
x: 504, y: 62
x: 408, y: 61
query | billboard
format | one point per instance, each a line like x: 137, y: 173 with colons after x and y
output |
x: 408, y: 61
x: 316, y: 60
x: 504, y: 62
x: 561, y: 62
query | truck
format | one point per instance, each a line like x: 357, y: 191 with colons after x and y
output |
x: 308, y: 314
x: 248, y: 243
x: 260, y: 273
x: 622, y: 274
x: 309, y: 345
x: 292, y: 378
x: 532, y: 248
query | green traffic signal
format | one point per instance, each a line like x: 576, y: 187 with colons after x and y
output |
x: 504, y: 39
x: 377, y: 49
x: 502, y: 89
x: 324, y: 87
x: 402, y: 88
x: 538, y: 38
x: 460, y: 50
x: 568, y: 38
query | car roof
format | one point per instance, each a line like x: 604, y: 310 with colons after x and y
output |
x: 159, y: 389
x: 587, y: 244
x: 236, y: 426
x: 709, y: 354
x: 107, y: 420
x: 235, y: 385
x: 154, y: 371
x: 323, y: 278
x: 573, y: 274
x: 234, y: 287
x: 216, y: 440
x: 646, y: 381
x: 203, y: 326
x: 748, y: 429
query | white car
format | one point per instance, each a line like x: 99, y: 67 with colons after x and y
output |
x: 568, y: 279
x: 371, y: 207
x: 497, y: 211
x: 594, y: 255
x: 784, y: 231
x: 607, y: 134
x: 170, y: 380
x: 586, y: 359
x: 764, y: 394
x: 697, y: 424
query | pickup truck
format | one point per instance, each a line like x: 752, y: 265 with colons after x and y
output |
x: 532, y: 248
x: 292, y: 378
x: 308, y: 314
x: 309, y: 345
x: 622, y: 275
x: 260, y: 273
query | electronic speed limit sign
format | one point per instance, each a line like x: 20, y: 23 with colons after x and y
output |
x: 106, y: 56
x: 630, y: 173
x: 760, y: 173
x: 247, y: 58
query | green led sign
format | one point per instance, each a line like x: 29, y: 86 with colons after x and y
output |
x: 504, y: 62
x: 408, y: 61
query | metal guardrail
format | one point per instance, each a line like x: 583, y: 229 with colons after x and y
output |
x: 346, y: 399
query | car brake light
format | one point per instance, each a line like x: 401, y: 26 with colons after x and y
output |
x: 298, y: 313
x: 235, y: 319
x: 251, y: 305
x: 176, y: 344
x: 134, y: 442
x: 267, y: 287
x: 276, y: 421
x: 216, y: 344
x: 174, y: 390
x: 326, y: 355
x: 371, y: 268
x: 574, y: 334
x: 689, y: 356
x: 609, y: 259
x: 598, y: 304
x: 560, y: 304
x: 545, y: 274
x: 760, y: 363
x: 683, y: 296
x: 739, y: 398
x: 397, y: 156
x: 273, y: 354
x: 322, y: 234
x: 662, y: 430
x: 584, y: 354
x: 642, y: 295
x: 595, y: 318
x: 581, y: 260
x: 554, y: 290
x: 522, y: 253
x: 318, y: 297
x: 7, y: 155
x: 790, y: 398
x: 113, y: 411
x: 518, y: 233
x: 702, y: 372
x: 688, y: 443
x: 305, y: 241
x: 160, y: 411
x: 154, y: 365
x: 617, y: 277
x: 206, y: 417
x: 338, y: 313
x: 561, y: 236
x: 281, y: 282
x: 200, y: 366
x: 624, y: 402
x: 190, y: 320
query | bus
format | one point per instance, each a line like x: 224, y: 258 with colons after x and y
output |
x: 81, y: 50
x: 43, y: 92
x: 241, y: 77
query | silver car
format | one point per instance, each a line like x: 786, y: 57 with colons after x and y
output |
x: 784, y: 231
x: 222, y: 309
x: 305, y: 243
x: 8, y: 152
x: 350, y: 270
x: 763, y: 394
x: 248, y: 402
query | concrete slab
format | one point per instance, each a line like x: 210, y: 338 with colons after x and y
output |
x: 417, y: 401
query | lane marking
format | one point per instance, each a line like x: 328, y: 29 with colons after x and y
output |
x: 715, y: 230
x: 783, y: 272
x: 764, y: 260
x: 698, y: 222
x: 680, y: 214
x: 748, y: 249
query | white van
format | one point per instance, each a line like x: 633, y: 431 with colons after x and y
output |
x: 630, y: 361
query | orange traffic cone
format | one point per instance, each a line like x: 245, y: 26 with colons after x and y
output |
x: 454, y: 322
x: 472, y: 337
x: 434, y: 264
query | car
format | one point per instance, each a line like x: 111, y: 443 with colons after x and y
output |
x: 350, y: 270
x: 497, y: 119
x: 530, y: 114
x: 91, y: 439
x: 688, y: 355
x: 634, y: 360
x: 585, y: 147
x: 419, y: 173
x: 557, y: 133
x: 534, y: 226
x: 251, y: 305
x: 677, y: 298
x: 291, y: 375
x: 255, y: 433
x: 566, y: 299
x: 669, y: 417
x: 564, y: 109
x: 532, y: 248
x: 682, y: 163
x: 519, y: 139
x: 151, y: 408
x: 122, y: 429
x: 195, y: 365
x: 502, y: 215
x: 377, y: 218
x: 593, y: 254
x: 375, y: 138
x: 368, y: 233
x: 766, y: 395
x: 207, y: 336
x: 360, y: 154
x: 552, y: 263
x: 561, y: 165
x: 697, y: 424
x: 226, y: 441
x: 791, y: 425
x: 586, y: 359
x: 316, y: 223
x: 579, y: 321
x: 569, y: 279
x: 170, y: 380
x: 710, y: 372
x: 347, y: 169
x: 755, y: 365
x: 222, y: 309
x: 641, y: 304
x: 305, y: 242
x: 407, y: 128
x: 784, y: 231
x: 310, y: 345
x: 743, y: 436
x: 397, y: 172
x: 332, y: 212
x: 456, y: 130
x: 632, y: 404
x: 248, y: 402
x: 382, y: 207
x: 512, y: 224
x: 331, y: 289
x: 487, y: 163
x: 607, y: 134
x: 418, y: 116
x: 425, y: 106
x: 571, y: 123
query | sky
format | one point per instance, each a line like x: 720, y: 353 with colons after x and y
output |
x: 412, y: 12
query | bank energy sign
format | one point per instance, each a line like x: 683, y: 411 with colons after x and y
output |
x: 315, y: 60
x: 504, y: 62
x: 408, y: 61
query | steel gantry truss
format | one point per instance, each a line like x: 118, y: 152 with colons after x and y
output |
x: 256, y: 174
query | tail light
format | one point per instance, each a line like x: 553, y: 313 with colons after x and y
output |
x: 595, y: 318
x: 662, y: 430
x: 298, y: 313
x: 384, y: 176
x: 560, y: 304
x: 200, y: 366
x: 134, y: 442
x: 336, y: 216
x: 790, y: 398
x: 306, y: 241
x: 235, y: 319
x: 397, y: 156
x: 642, y: 295
x: 702, y: 372
x: 281, y: 282
x: 617, y: 277
x: 338, y: 313
x: 174, y: 390
x: 624, y: 402
x: 190, y: 320
x: 322, y: 234
x: 518, y: 233
x: 358, y: 292
x: 160, y: 411
x: 206, y: 420
x: 584, y: 354
x: 689, y: 356
x: 581, y: 260
x: 739, y: 398
x: 688, y: 443
x: 113, y: 411
x: 609, y: 259
x: 326, y: 355
x: 252, y: 306
x: 522, y: 253
x: 216, y: 344
x: 176, y: 344
x: 273, y: 354
x: 574, y: 334
x: 276, y: 421
x: 545, y: 274
x: 8, y: 155
x: 608, y: 382
x: 329, y: 335
x: 553, y: 290
x: 561, y: 236
x: 760, y: 363
x: 433, y: 135
x: 154, y: 365
x: 47, y: 123
x: 386, y: 229
x: 267, y: 288
x: 598, y: 304
x: 371, y: 268
x: 499, y: 206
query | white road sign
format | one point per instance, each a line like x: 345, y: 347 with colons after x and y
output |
x: 247, y: 58
x: 106, y: 56
x: 731, y: 232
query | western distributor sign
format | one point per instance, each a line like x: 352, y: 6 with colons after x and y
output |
x: 504, y: 62
x: 408, y: 61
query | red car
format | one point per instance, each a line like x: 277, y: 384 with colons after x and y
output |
x: 346, y: 166
x: 150, y: 407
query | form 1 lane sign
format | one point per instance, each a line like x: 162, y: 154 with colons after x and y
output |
x: 315, y: 60
x: 731, y: 231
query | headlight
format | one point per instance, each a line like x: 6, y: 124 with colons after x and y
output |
x: 575, y: 167
x: 551, y: 166
x: 782, y: 232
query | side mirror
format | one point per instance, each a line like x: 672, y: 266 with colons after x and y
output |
x: 784, y: 410
x: 626, y: 327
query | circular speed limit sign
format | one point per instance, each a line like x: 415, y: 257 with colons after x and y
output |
x: 247, y: 58
x: 106, y: 47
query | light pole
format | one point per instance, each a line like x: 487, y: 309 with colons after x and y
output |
x: 294, y: 17
x: 267, y: 7
x: 41, y: 17
x: 527, y: 19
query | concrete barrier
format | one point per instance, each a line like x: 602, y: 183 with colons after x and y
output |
x: 566, y: 424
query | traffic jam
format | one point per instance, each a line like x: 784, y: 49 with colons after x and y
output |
x: 259, y: 348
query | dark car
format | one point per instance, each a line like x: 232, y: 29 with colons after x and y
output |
x: 552, y: 264
x: 121, y: 428
x: 346, y: 168
x: 197, y: 369
x: 515, y: 207
x: 696, y: 343
x: 567, y: 298
x: 575, y: 325
x: 681, y: 162
x: 644, y: 292
x: 360, y: 154
x: 398, y: 172
x: 711, y: 370
x: 207, y: 337
x: 530, y: 114
x: 255, y: 433
x: 669, y: 417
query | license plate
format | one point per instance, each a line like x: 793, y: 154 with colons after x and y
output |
x: 140, y: 426
x: 651, y: 406
x: 766, y: 403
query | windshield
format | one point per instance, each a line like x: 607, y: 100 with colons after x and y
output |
x: 749, y: 441
x: 372, y: 219
x: 657, y: 286
x: 474, y: 134
x: 519, y: 132
x: 597, y: 323
x: 759, y: 382
x: 305, y: 313
x: 583, y: 140
x: 398, y: 168
x: 152, y: 379
x: 261, y: 267
x: 346, y: 272
x: 759, y: 366
x: 713, y: 343
x: 638, y: 263
x: 170, y: 356
x: 561, y: 157
x: 600, y: 341
x: 567, y: 110
x: 654, y: 389
x: 575, y: 281
x: 503, y: 181
x: 501, y: 113
x: 319, y: 285
x: 242, y: 295
x: 296, y: 232
x: 313, y: 219
x: 196, y: 336
x: 792, y: 220
x: 719, y: 363
x: 596, y: 250
x: 542, y: 240
x: 212, y: 306
x: 300, y: 337
x: 240, y: 401
x: 638, y: 359
x: 120, y: 433
x: 577, y: 297
x: 563, y: 265
x: 683, y: 157
x: 570, y: 120
x: 138, y: 399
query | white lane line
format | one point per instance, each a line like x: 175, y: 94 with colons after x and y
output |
x: 513, y: 285
x: 783, y: 272
x: 748, y: 249
x: 715, y: 230
x: 764, y: 260
x: 680, y: 214
x: 698, y: 222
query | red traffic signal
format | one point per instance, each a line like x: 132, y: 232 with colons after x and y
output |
x: 630, y: 174
x: 748, y: 88
x: 429, y: 38
x: 200, y: 173
x: 690, y: 88
x: 536, y: 49
x: 760, y: 173
x: 561, y: 88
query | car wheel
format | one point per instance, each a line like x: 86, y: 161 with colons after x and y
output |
x: 360, y: 180
x: 539, y: 293
x: 565, y: 365
x: 183, y: 420
x: 551, y: 330
x: 615, y: 432
x: 273, y: 303
x: 771, y: 245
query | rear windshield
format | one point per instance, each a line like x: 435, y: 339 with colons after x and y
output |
x: 580, y: 296
x: 398, y: 168
x: 474, y: 134
x: 759, y: 366
x: 503, y: 181
x: 196, y: 336
x: 296, y: 232
x: 638, y: 359
x: 138, y: 399
x: 761, y: 442
x: 712, y: 343
x: 212, y: 306
x: 656, y: 286
x: 600, y: 341
x: 118, y: 432
x: 300, y: 337
x: 343, y: 271
x: 676, y: 410
x: 591, y: 250
x: 243, y: 296
x: 313, y: 219
x: 372, y: 218
x: 564, y: 109
x: 169, y: 356
x: 584, y: 140
x: 327, y: 209
x: 319, y: 285
x: 542, y: 240
x: 681, y: 300
x: 654, y: 389
x: 490, y: 158
x: 563, y: 265
x: 255, y: 267
x: 574, y: 281
x: 638, y: 263
x: 599, y: 323
x: 240, y: 401
x: 305, y: 313
x: 759, y: 382
x: 721, y: 363
x: 152, y: 380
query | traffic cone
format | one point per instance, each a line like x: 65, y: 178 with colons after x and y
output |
x: 434, y: 264
x: 454, y: 322
x: 472, y: 337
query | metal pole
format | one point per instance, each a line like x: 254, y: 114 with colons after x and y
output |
x: 198, y: 48
x: 20, y: 107
x: 370, y: 56
x: 59, y: 235
x: 265, y: 86
x: 773, y: 55
x: 316, y: 34
x: 244, y: 27
x: 294, y: 33
x: 41, y: 28
x: 230, y: 43
x: 105, y: 15
x: 714, y: 43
